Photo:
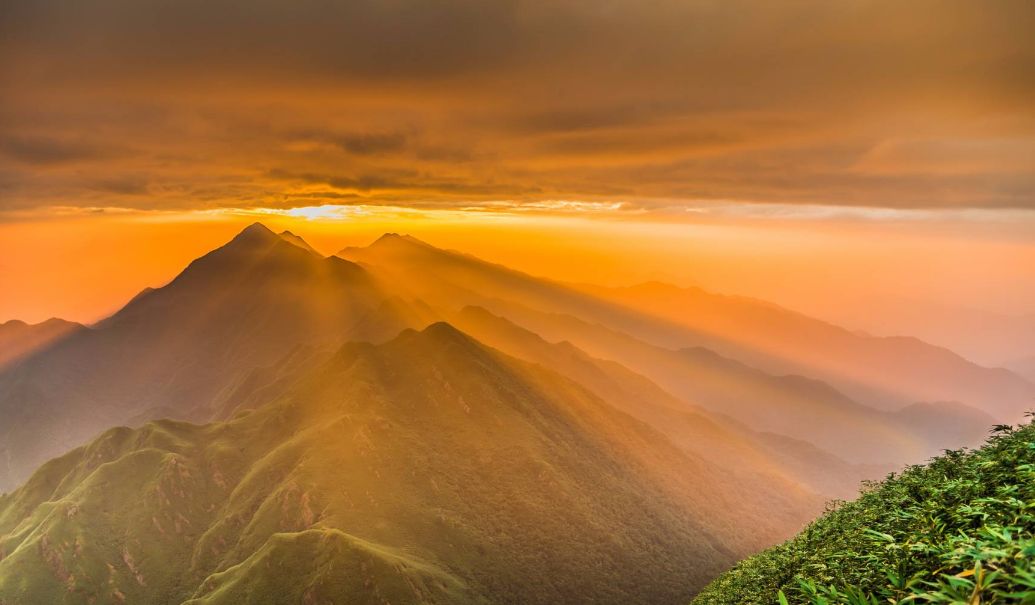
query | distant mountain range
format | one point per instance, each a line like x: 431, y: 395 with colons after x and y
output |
x: 19, y: 339
x: 417, y: 425
x: 883, y: 372
x: 1024, y: 367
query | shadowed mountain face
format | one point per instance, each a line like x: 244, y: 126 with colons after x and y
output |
x: 19, y: 339
x: 429, y: 469
x: 883, y: 372
x: 171, y: 350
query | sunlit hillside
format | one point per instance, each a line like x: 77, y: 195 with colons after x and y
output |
x: 427, y: 469
x: 418, y: 425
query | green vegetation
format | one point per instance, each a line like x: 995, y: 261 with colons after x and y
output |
x: 960, y: 529
x: 429, y: 469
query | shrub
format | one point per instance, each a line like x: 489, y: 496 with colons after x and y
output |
x: 960, y: 529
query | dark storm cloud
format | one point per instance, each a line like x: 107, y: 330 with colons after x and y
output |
x: 849, y: 102
x: 45, y: 150
x: 397, y: 184
x: 126, y: 185
x: 371, y: 143
x: 370, y: 38
x: 360, y: 143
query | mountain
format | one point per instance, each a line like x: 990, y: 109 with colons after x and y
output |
x: 958, y: 530
x: 884, y: 372
x: 172, y: 350
x: 1024, y: 367
x: 19, y: 339
x: 986, y: 337
x: 753, y: 457
x: 291, y: 238
x: 429, y: 469
x: 591, y: 450
x: 790, y: 406
x: 944, y: 424
x: 196, y: 348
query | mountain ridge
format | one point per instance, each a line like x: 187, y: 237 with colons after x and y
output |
x: 242, y: 305
x: 19, y: 339
x: 882, y: 372
x: 529, y: 489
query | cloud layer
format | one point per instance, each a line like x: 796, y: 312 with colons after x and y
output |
x: 659, y: 104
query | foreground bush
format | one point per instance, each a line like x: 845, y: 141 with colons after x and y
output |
x: 960, y: 529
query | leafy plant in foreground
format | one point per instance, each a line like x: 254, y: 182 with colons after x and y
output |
x: 959, y: 530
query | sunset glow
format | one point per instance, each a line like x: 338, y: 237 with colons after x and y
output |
x: 517, y: 302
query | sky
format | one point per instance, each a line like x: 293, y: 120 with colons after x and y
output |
x: 750, y: 146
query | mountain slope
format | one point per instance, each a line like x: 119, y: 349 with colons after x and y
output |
x: 428, y: 469
x: 885, y: 372
x: 791, y: 406
x: 170, y: 350
x: 751, y: 457
x: 1024, y: 367
x: 958, y: 530
x: 19, y: 339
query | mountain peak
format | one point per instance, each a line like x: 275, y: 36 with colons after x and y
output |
x: 256, y: 228
x: 256, y: 233
x: 438, y: 333
x: 444, y: 330
x: 399, y: 238
x: 53, y: 322
x: 291, y: 238
x: 258, y: 238
x: 390, y: 243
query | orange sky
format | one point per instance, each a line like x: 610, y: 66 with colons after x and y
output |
x: 186, y: 105
x: 856, y: 268
x: 837, y: 157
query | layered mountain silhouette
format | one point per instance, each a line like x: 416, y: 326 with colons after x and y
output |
x: 882, y: 372
x: 172, y: 349
x: 185, y: 350
x: 427, y: 469
x: 1023, y: 367
x: 19, y: 339
x: 789, y: 405
x: 409, y: 424
x: 714, y: 437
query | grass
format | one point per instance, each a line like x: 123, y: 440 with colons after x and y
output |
x: 321, y: 565
x: 958, y: 530
x: 425, y: 470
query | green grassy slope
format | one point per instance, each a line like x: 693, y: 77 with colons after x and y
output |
x: 958, y: 530
x: 323, y: 566
x: 427, y: 469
